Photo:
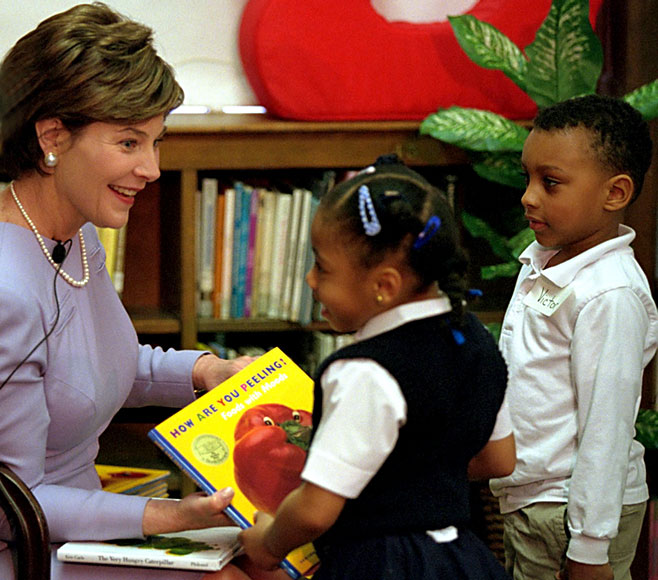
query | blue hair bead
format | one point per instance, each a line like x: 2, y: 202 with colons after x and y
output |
x: 458, y: 336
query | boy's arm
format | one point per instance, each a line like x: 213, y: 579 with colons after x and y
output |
x: 578, y: 571
x: 607, y: 363
x: 305, y: 514
x: 497, y: 459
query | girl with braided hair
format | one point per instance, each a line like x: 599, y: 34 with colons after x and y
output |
x: 406, y: 413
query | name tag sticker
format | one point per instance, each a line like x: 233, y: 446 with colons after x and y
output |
x: 546, y: 297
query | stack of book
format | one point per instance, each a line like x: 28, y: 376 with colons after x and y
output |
x: 134, y: 480
x: 254, y: 251
x: 114, y: 242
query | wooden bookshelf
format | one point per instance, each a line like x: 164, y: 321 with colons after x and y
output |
x: 252, y: 143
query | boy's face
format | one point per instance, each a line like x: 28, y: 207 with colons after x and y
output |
x: 566, y: 191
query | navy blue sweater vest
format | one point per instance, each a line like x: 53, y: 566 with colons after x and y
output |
x: 453, y: 394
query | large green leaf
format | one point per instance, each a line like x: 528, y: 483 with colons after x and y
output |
x: 486, y: 46
x: 504, y: 270
x: 646, y: 428
x: 566, y: 58
x: 521, y: 241
x: 500, y: 167
x: 645, y: 100
x: 478, y: 228
x: 474, y: 129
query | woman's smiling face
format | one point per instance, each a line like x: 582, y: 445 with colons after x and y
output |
x: 102, y: 167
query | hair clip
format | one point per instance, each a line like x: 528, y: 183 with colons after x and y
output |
x: 431, y: 227
x: 369, y: 218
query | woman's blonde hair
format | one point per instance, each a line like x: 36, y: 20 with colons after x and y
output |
x: 83, y: 65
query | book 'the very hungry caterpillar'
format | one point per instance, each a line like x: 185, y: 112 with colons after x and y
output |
x: 251, y: 432
x: 209, y: 550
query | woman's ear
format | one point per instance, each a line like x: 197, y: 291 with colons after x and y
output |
x: 620, y: 192
x: 51, y: 134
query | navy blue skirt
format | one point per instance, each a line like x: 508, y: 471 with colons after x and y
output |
x: 413, y: 556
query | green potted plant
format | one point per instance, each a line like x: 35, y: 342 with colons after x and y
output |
x: 565, y: 60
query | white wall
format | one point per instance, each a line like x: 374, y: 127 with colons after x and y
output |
x: 197, y: 37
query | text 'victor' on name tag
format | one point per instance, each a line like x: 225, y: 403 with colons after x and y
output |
x: 546, y: 297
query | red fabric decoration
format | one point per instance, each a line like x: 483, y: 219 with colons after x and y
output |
x: 341, y: 60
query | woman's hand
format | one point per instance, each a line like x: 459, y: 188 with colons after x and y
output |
x: 195, y: 511
x: 210, y: 370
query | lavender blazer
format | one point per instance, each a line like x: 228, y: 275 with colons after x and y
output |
x: 57, y: 404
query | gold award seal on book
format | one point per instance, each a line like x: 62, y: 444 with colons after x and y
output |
x: 210, y: 449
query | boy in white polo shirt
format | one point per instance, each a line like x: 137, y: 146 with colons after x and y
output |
x: 579, y: 330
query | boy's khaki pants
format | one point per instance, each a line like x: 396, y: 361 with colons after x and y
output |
x: 536, y: 538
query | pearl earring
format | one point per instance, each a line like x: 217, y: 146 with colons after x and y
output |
x: 50, y: 159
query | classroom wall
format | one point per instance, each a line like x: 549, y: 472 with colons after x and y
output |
x: 197, y: 37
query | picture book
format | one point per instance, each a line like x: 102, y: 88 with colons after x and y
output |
x: 205, y: 550
x: 251, y: 433
x: 133, y: 480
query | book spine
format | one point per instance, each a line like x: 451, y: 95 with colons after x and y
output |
x: 219, y: 255
x: 150, y: 562
x: 108, y: 238
x: 209, y: 194
x: 251, y: 253
x: 237, y: 239
x: 280, y: 238
x: 227, y: 253
x: 291, y: 253
x: 119, y: 265
x: 244, y: 252
x: 266, y: 224
x: 299, y: 273
x: 306, y: 300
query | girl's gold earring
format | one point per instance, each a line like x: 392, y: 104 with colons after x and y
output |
x: 380, y: 298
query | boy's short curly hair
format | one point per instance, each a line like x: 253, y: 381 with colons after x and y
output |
x: 620, y: 136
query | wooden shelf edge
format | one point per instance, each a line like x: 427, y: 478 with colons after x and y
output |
x: 257, y: 325
x: 147, y: 321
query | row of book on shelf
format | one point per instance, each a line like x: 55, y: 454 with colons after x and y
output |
x: 114, y: 242
x: 253, y: 252
x: 322, y: 344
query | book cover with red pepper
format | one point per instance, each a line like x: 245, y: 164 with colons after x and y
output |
x: 251, y: 433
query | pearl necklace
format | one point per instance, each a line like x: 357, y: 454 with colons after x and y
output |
x: 83, y: 251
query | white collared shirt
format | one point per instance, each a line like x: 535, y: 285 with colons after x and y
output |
x: 362, y: 411
x: 576, y: 338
